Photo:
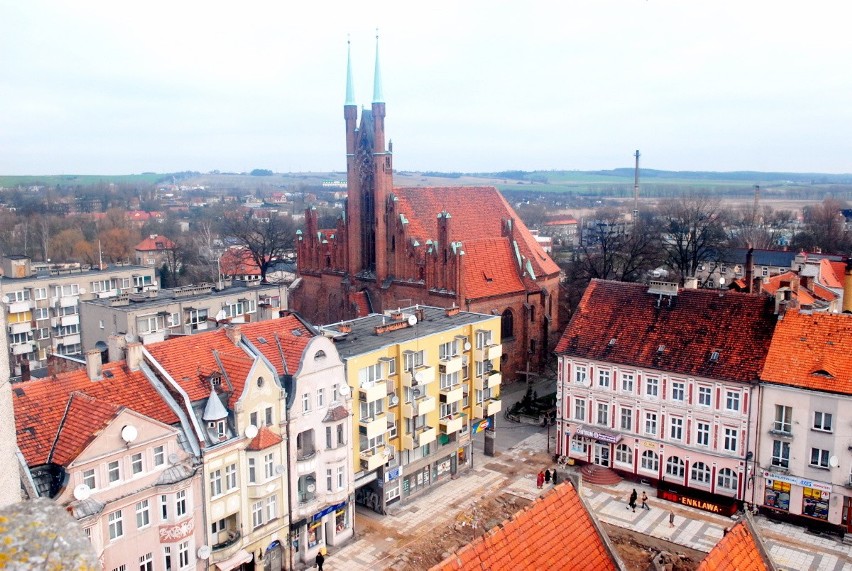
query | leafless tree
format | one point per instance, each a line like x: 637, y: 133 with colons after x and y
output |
x: 266, y: 238
x: 824, y: 228
x: 693, y: 230
x: 760, y: 228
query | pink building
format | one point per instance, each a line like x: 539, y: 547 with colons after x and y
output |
x: 658, y: 383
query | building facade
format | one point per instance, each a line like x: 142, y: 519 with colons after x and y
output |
x: 154, y: 251
x: 425, y: 380
x: 659, y: 383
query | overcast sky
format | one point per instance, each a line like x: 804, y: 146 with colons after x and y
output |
x: 125, y: 87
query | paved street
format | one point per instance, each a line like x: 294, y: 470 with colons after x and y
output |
x: 381, y: 539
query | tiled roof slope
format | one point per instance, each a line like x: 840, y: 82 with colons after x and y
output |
x: 155, y: 243
x: 40, y: 404
x: 85, y: 418
x: 811, y: 351
x: 475, y: 212
x: 832, y: 273
x: 288, y: 331
x: 739, y: 550
x: 264, y: 439
x: 489, y: 269
x: 696, y: 324
x: 555, y: 532
x: 237, y: 261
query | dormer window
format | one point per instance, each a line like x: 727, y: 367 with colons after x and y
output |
x: 217, y: 429
x: 612, y: 342
x: 714, y: 356
x: 215, y: 379
x: 661, y: 348
x: 319, y: 355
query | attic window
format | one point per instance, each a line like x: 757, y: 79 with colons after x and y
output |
x: 297, y: 332
x: 823, y: 373
x: 261, y: 340
x: 319, y: 355
x: 661, y: 348
x: 714, y: 356
x: 108, y: 374
x: 214, y: 380
x: 612, y: 342
x: 487, y: 277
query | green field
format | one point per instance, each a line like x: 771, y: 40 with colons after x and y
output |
x: 80, y: 179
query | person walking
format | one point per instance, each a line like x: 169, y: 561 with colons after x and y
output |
x: 671, y: 518
x: 320, y: 560
x: 547, y: 476
x: 554, y: 476
x: 631, y: 504
x: 539, y: 481
x: 645, y: 501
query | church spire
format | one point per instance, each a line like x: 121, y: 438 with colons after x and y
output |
x: 350, y: 91
x: 377, y: 77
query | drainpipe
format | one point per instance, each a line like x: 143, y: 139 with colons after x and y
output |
x: 289, y: 487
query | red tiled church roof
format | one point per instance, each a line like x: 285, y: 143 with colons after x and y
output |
x: 488, y: 269
x: 739, y: 550
x: 554, y: 532
x: 679, y: 336
x: 811, y: 351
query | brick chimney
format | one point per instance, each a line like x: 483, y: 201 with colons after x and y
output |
x: 134, y: 355
x: 749, y: 270
x: 233, y: 333
x: 94, y: 366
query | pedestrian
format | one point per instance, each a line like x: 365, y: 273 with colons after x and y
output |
x: 320, y: 560
x: 671, y: 518
x: 631, y: 504
x: 539, y: 481
x: 547, y: 476
x: 554, y: 476
x: 645, y: 500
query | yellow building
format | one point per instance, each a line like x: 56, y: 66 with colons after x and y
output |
x: 424, y: 379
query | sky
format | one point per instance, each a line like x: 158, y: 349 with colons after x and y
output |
x: 108, y: 87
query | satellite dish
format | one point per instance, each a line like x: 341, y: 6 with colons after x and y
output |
x: 204, y: 552
x: 587, y: 382
x: 343, y: 390
x: 280, y: 469
x: 311, y: 488
x: 412, y: 320
x: 173, y: 458
x: 82, y: 290
x: 394, y: 400
x: 386, y: 452
x: 5, y: 299
x: 834, y: 462
x: 467, y: 345
x: 418, y: 376
x: 82, y: 492
x: 251, y: 431
x: 129, y: 433
x: 129, y: 337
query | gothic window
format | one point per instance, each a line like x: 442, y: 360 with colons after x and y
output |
x: 507, y: 324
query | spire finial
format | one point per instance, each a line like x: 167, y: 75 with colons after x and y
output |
x: 350, y: 91
x: 377, y: 77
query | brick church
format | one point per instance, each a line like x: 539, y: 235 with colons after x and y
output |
x: 462, y: 246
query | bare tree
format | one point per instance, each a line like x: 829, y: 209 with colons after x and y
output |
x: 613, y: 249
x: 267, y: 238
x: 693, y: 230
x: 760, y: 228
x: 824, y: 228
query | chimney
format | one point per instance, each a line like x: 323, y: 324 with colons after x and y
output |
x: 233, y: 334
x: 116, y: 344
x: 134, y: 355
x: 94, y: 366
x: 847, y: 287
x: 749, y: 270
x: 690, y: 283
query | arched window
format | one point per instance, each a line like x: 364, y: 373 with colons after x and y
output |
x: 319, y: 355
x: 623, y: 454
x: 507, y: 325
x: 701, y: 474
x: 727, y: 480
x: 650, y: 461
x: 674, y: 467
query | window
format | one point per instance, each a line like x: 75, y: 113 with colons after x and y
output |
x: 783, y: 419
x: 167, y: 557
x: 650, y: 461
x: 329, y: 479
x: 180, y: 503
x: 164, y: 507
x: 306, y: 402
x: 257, y: 514
x: 391, y: 366
x: 507, y: 324
x: 626, y: 418
x: 731, y: 439
x: 183, y: 554
x: 320, y: 399
x: 328, y: 442
x: 603, y: 378
x: 449, y: 380
x: 603, y: 413
x: 159, y: 455
x: 89, y: 478
x: 116, y: 526
x: 623, y: 454
x: 780, y: 453
x: 579, y: 374
x: 113, y: 472
x: 579, y: 409
x: 146, y: 562
x: 370, y: 374
x: 341, y: 478
x: 579, y: 444
x: 651, y: 423
x: 215, y: 482
x: 136, y: 463
x: 413, y: 359
x: 121, y: 567
x: 727, y: 480
x: 40, y: 292
x: 627, y: 382
x: 197, y: 317
x: 678, y: 391
x: 819, y: 458
x: 253, y: 419
x: 675, y: 467
x: 676, y: 428
x: 370, y: 410
x: 732, y: 401
x: 271, y: 507
x: 822, y: 421
x: 268, y: 465
x: 652, y: 387
x: 448, y: 350
x: 231, y: 476
x: 268, y: 411
x: 143, y: 516
x: 341, y: 435
x: 252, y: 474
x: 41, y: 313
x: 701, y: 474
x: 702, y: 434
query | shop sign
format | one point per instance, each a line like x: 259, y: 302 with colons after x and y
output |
x: 319, y: 515
x: 705, y: 505
x: 392, y: 474
x: 796, y: 481
x: 599, y: 435
x: 481, y: 425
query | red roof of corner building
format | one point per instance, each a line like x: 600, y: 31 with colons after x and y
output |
x: 289, y: 332
x: 694, y: 325
x: 40, y: 404
x: 739, y: 550
x: 554, y: 532
x: 811, y: 351
x: 85, y: 417
x: 155, y: 242
x: 238, y: 262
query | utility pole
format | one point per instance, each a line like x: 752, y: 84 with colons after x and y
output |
x: 636, y: 189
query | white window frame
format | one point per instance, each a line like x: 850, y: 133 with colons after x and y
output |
x: 823, y: 421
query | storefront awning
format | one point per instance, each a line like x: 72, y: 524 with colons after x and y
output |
x: 240, y: 557
x: 600, y: 435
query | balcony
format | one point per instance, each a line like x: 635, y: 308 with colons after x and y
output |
x: 225, y: 539
x: 488, y: 380
x: 21, y: 306
x: 420, y: 437
x: 424, y: 375
x: 373, y: 391
x: 489, y: 352
x: 22, y: 327
x: 22, y: 348
x: 375, y: 458
x: 450, y: 365
x: 65, y: 339
x: 69, y: 301
x: 487, y: 408
x: 264, y: 489
x: 421, y: 405
x: 374, y: 426
x: 452, y: 394
x: 67, y: 320
x: 305, y: 453
x: 453, y: 423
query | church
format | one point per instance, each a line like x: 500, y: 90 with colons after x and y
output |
x: 440, y: 246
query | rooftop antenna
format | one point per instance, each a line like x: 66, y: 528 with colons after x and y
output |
x: 636, y: 188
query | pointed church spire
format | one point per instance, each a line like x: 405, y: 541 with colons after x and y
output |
x: 377, y: 77
x: 350, y: 91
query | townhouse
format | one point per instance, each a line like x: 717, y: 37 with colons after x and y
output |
x: 659, y: 383
x: 425, y: 379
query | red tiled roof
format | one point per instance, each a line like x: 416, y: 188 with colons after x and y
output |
x: 696, y: 324
x: 288, y: 331
x: 832, y: 273
x: 264, y: 439
x: 554, y: 532
x: 362, y: 304
x: 560, y: 222
x: 738, y: 550
x: 823, y: 293
x: 85, y: 418
x: 789, y: 279
x: 155, y: 243
x: 237, y: 261
x: 40, y: 404
x: 811, y: 351
x: 489, y: 269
